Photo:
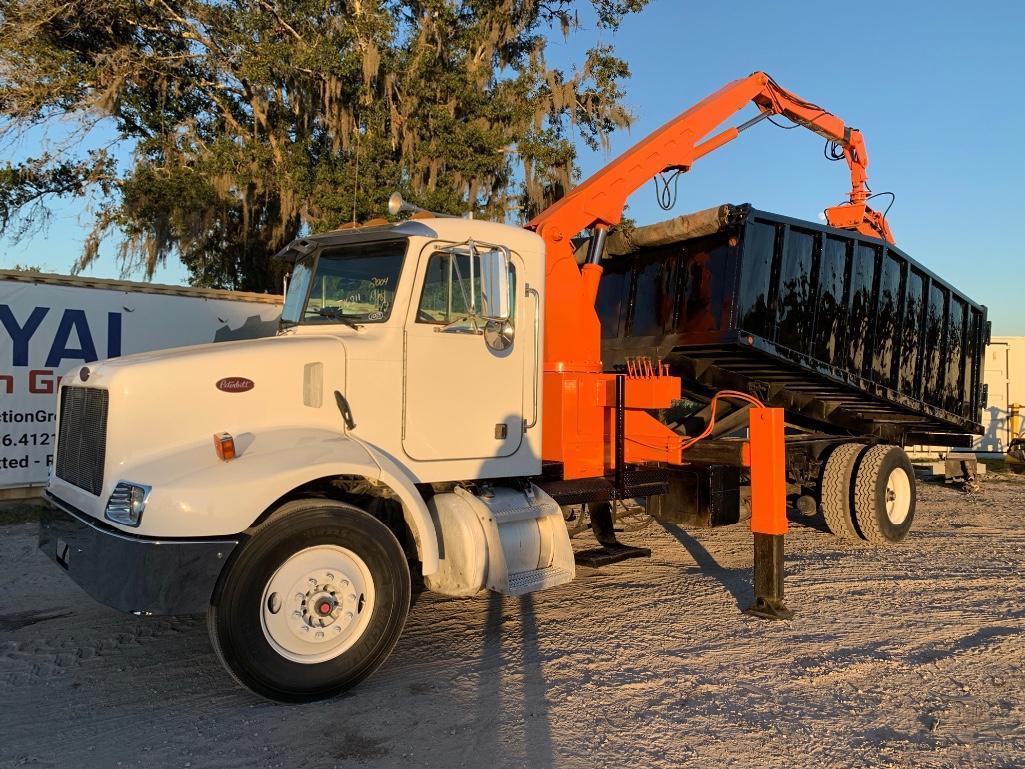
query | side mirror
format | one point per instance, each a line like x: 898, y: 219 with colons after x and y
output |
x: 494, y: 285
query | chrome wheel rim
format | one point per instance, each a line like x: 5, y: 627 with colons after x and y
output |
x: 317, y: 604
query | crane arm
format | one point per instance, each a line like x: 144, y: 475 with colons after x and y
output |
x: 600, y: 200
x: 576, y: 400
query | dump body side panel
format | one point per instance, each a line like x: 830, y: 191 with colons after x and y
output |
x: 844, y: 327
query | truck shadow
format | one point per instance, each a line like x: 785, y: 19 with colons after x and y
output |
x: 499, y: 703
x: 816, y: 522
x: 736, y: 581
x: 501, y: 719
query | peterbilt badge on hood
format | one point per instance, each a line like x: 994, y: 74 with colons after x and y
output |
x: 235, y: 384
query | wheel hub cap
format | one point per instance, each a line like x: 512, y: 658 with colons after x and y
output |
x: 325, y: 605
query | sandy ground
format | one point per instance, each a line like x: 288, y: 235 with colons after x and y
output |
x: 908, y: 656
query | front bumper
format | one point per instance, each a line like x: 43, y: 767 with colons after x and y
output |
x: 130, y: 573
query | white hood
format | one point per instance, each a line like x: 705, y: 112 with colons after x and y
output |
x: 161, y: 403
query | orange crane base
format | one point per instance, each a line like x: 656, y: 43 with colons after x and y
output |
x: 579, y: 409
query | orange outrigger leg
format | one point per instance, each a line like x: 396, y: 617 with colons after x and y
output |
x: 767, y: 459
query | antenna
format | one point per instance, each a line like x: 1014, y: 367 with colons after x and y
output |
x: 355, y: 181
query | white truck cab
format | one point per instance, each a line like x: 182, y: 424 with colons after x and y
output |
x: 287, y: 486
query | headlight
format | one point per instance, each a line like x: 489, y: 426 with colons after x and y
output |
x: 126, y: 503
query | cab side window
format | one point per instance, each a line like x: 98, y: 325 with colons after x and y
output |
x: 452, y: 291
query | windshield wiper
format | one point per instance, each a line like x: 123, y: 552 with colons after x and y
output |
x: 333, y: 314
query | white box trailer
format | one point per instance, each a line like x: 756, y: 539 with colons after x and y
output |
x: 50, y: 324
x: 1004, y: 377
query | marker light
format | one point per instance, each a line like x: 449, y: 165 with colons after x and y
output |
x: 127, y: 503
x: 224, y: 445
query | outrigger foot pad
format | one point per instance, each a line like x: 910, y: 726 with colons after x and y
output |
x: 764, y: 608
x: 610, y: 549
x: 605, y: 555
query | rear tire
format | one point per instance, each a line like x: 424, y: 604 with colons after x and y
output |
x: 313, y: 604
x: 884, y: 495
x: 835, y: 490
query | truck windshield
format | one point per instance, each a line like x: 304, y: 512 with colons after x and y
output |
x: 346, y: 284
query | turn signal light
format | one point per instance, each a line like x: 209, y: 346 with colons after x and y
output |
x: 224, y: 444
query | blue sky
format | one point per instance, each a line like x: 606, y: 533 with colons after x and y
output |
x: 934, y: 86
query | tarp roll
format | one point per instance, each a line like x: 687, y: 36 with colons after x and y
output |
x: 693, y: 225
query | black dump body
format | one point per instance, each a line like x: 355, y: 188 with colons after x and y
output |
x: 847, y: 333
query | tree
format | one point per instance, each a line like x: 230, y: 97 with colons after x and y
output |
x: 253, y: 121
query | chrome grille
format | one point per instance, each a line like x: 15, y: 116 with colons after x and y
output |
x: 82, y: 437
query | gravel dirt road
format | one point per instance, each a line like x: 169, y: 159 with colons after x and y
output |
x: 907, y: 656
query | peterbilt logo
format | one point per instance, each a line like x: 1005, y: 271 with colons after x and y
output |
x: 235, y: 384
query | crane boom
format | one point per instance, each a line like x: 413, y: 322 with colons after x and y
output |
x: 576, y: 398
x: 600, y: 200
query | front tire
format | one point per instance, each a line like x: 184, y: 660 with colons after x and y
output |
x: 313, y: 604
x: 884, y: 495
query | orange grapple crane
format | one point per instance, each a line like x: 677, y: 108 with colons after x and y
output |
x: 579, y: 397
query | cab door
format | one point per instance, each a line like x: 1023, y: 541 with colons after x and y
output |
x: 464, y: 379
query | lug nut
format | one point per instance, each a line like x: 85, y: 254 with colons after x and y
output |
x: 299, y: 596
x: 344, y: 583
x: 348, y: 615
x: 297, y: 614
x: 320, y: 634
x: 330, y: 577
x: 351, y: 596
x: 306, y: 628
x: 338, y: 629
x: 313, y: 582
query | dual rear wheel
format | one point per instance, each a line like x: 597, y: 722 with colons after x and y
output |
x: 868, y: 492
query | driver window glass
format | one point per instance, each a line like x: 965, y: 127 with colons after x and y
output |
x: 447, y: 291
x: 356, y: 282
